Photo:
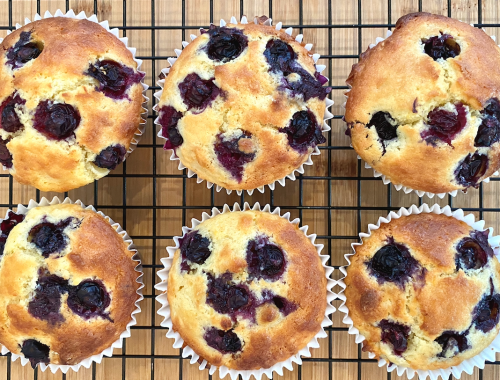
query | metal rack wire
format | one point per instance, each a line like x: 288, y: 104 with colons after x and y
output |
x: 155, y: 208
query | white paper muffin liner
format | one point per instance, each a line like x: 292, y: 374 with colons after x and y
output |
x: 105, y: 24
x: 386, y: 180
x: 324, y: 128
x: 164, y: 311
x: 467, y: 366
x: 138, y: 268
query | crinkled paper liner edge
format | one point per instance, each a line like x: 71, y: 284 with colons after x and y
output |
x: 325, y: 128
x: 164, y: 311
x: 105, y: 24
x: 138, y: 268
x: 386, y: 180
x: 467, y: 366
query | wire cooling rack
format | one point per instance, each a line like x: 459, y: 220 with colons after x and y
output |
x: 336, y: 197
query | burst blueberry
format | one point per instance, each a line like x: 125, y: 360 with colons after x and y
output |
x: 89, y: 299
x: 111, y: 157
x: 228, y: 298
x: 226, y: 342
x: 452, y: 343
x: 5, y: 156
x: 36, y: 352
x: 225, y: 44
x: 169, y: 117
x: 395, y: 334
x: 441, y: 47
x: 280, y: 56
x: 385, y: 125
x: 10, y: 120
x: 230, y: 156
x: 473, y: 251
x: 265, y: 260
x: 46, y: 302
x: 488, y: 132
x: 50, y: 238
x: 487, y: 312
x: 23, y: 51
x: 471, y: 169
x: 198, y: 93
x: 195, y: 248
x: 303, y: 131
x: 444, y: 125
x: 6, y: 226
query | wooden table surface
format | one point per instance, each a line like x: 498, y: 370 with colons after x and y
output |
x: 343, y: 195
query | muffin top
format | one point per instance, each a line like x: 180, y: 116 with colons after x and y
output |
x: 424, y: 291
x: 70, y: 103
x: 246, y: 290
x: 67, y: 284
x: 243, y: 106
x: 424, y: 106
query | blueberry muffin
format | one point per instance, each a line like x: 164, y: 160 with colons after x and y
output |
x: 246, y: 290
x: 67, y: 284
x: 70, y: 103
x: 424, y: 290
x: 243, y: 106
x: 424, y: 108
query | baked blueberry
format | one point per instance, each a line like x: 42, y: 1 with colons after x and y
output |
x: 394, y: 263
x: 6, y: 226
x: 308, y: 86
x: 5, y: 156
x: 452, y: 342
x: 46, y: 302
x: 265, y: 260
x: 228, y: 298
x: 441, y: 47
x: 225, y: 44
x: 303, y: 131
x: 195, y: 248
x: 89, y: 299
x: 49, y: 237
x: 114, y: 78
x: 280, y: 56
x: 285, y: 307
x: 10, y: 120
x: 36, y: 352
x: 395, y: 334
x: 230, y: 156
x: 198, y: 93
x: 385, y: 125
x: 488, y: 132
x: 444, y: 125
x: 224, y: 341
x: 23, y: 51
x: 471, y: 169
x: 487, y: 312
x: 169, y: 117
x: 56, y: 120
x: 473, y: 252
x: 110, y: 157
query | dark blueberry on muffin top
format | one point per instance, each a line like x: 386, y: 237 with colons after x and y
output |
x: 225, y: 44
x: 110, y: 157
x: 49, y: 237
x: 10, y: 120
x: 169, y: 117
x: 395, y: 334
x: 56, y: 120
x: 223, y: 341
x: 488, y: 132
x: 443, y: 46
x: 36, y: 352
x: 280, y: 56
x: 89, y: 299
x: 384, y: 124
x: 473, y: 252
x: 452, y: 343
x: 198, y: 93
x: 444, y: 125
x: 195, y: 248
x: 23, y: 51
x: 46, y: 302
x: 303, y: 131
x: 471, y: 169
x: 5, y: 156
x: 487, y: 313
x: 231, y: 154
x: 265, y: 260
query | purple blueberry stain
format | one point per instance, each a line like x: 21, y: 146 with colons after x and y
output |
x: 169, y: 117
x: 5, y: 156
x: 226, y: 297
x: 284, y: 306
x: 395, y: 334
x: 36, y: 352
x: 385, y: 126
x: 111, y: 157
x: 452, y: 343
x: 282, y: 59
x: 487, y: 312
x: 265, y: 260
x: 50, y: 238
x: 394, y: 263
x: 226, y: 342
x: 9, y: 119
x: 23, y: 51
x: 473, y: 252
x: 114, y: 78
x: 471, y: 169
x: 441, y: 47
x: 303, y: 131
x: 89, y: 299
x: 488, y: 132
x: 444, y: 125
x: 194, y: 249
x: 46, y: 301
x: 56, y: 121
x: 230, y: 156
x: 225, y: 44
x: 6, y: 226
x: 198, y: 93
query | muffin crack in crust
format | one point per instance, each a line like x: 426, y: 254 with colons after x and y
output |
x: 243, y: 79
x: 70, y: 92
x: 430, y: 119
x: 67, y: 284
x: 431, y: 318
x: 250, y: 299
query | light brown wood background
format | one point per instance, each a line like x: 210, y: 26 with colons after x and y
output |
x: 331, y: 203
